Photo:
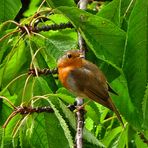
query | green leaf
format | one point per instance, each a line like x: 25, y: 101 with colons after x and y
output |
x: 93, y: 112
x: 124, y: 103
x: 139, y: 142
x: 40, y: 130
x: 7, y: 139
x: 1, y: 137
x: 55, y: 4
x: 13, y: 63
x: 136, y: 55
x: 68, y: 114
x: 67, y: 39
x: 111, y: 135
x: 126, y: 8
x: 91, y: 138
x: 41, y: 60
x: 5, y: 111
x: 9, y: 9
x: 41, y: 87
x: 57, y: 19
x: 4, y: 44
x: 111, y: 12
x: 145, y: 108
x: 89, y: 123
x: 63, y: 125
x: 45, y: 132
x: 123, y: 138
x: 25, y: 131
x: 33, y: 6
x: 67, y: 98
x: 87, y: 135
x: 104, y: 38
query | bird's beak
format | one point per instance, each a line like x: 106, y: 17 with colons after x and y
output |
x: 82, y: 55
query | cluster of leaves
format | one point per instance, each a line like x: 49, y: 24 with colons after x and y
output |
x: 116, y: 37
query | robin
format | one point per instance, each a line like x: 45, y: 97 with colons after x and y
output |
x: 85, y: 79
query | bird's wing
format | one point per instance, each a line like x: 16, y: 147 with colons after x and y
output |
x: 93, y: 67
x: 94, y: 88
x: 90, y: 85
x: 111, y: 90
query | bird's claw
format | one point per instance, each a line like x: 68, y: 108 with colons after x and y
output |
x: 80, y: 108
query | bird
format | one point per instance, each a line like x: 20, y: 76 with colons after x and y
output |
x: 84, y: 79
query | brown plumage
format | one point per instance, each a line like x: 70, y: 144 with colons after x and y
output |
x: 85, y: 79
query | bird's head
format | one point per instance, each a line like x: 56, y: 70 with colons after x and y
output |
x: 71, y: 58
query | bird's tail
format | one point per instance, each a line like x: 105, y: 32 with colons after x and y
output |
x: 113, y: 108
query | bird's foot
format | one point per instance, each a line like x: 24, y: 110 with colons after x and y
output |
x: 81, y: 107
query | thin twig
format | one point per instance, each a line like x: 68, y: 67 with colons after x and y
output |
x: 25, y: 74
x: 39, y: 19
x: 16, y: 127
x: 9, y: 118
x: 27, y: 30
x: 40, y: 35
x: 8, y: 34
x: 32, y: 61
x: 25, y: 87
x: 11, y: 21
x: 6, y: 99
x: 41, y: 5
x: 38, y: 14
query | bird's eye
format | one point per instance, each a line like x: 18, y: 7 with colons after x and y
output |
x: 69, y: 55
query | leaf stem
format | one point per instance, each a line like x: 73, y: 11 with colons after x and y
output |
x: 2, y: 97
x: 131, y: 2
x: 8, y: 34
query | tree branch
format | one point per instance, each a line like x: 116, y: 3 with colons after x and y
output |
x: 79, y: 101
x: 44, y: 71
x: 23, y: 110
x: 80, y: 124
x: 52, y: 27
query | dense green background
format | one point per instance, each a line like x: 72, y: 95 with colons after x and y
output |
x: 117, y: 40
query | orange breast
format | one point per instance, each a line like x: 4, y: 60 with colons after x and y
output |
x: 63, y: 75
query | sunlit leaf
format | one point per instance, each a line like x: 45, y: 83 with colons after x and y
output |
x: 102, y: 36
x: 64, y: 126
x: 111, y: 12
x: 111, y: 136
x: 136, y: 57
x: 55, y: 4
x: 124, y: 102
x: 9, y: 9
x: 145, y: 108
x: 123, y: 138
x: 139, y: 142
